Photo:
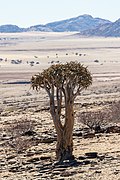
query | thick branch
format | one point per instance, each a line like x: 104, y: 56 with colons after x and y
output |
x: 78, y: 90
x: 59, y: 100
x: 54, y: 113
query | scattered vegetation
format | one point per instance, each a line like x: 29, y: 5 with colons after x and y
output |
x: 20, y: 132
x: 16, y: 61
x: 21, y: 127
x: 115, y: 111
x: 32, y: 63
x: 95, y: 120
x: 20, y: 144
x: 97, y: 61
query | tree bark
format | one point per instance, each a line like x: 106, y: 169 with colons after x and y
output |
x: 64, y: 148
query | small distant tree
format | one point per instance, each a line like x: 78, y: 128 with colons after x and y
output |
x: 63, y: 82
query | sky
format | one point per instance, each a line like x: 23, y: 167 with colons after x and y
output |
x: 25, y: 13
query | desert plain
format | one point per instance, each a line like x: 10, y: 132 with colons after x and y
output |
x: 21, y: 56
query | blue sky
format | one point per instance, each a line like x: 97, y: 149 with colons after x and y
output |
x: 25, y: 13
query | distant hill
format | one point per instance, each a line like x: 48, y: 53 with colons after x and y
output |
x: 10, y: 28
x: 80, y: 23
x: 106, y: 30
x: 43, y: 28
x: 85, y: 25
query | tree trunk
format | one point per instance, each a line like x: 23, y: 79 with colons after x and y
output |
x: 64, y: 148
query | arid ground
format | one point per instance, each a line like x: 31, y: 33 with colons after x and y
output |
x: 25, y: 54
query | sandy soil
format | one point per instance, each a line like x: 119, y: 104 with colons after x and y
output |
x: 38, y: 51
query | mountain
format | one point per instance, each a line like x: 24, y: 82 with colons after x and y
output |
x: 106, y: 30
x: 85, y: 25
x: 43, y: 28
x: 10, y: 28
x: 80, y: 23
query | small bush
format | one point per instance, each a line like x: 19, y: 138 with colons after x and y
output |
x: 94, y: 119
x: 115, y: 112
x: 19, y: 133
x: 21, y: 127
x: 97, y: 61
x: 20, y: 144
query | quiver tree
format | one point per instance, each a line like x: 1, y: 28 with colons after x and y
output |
x: 63, y: 82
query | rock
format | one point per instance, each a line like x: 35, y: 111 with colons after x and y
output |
x: 77, y: 133
x: 25, y: 163
x: 86, y: 162
x: 56, y: 172
x: 91, y: 155
x: 68, y: 173
x: 98, y: 171
x: 39, y: 166
x: 101, y: 157
x: 34, y: 159
x: 30, y: 153
x: 112, y: 129
x: 29, y: 133
x: 32, y: 170
x: 10, y: 157
x: 97, y: 61
x: 47, y: 140
x: 29, y: 167
x: 45, y: 157
x: 14, y: 168
x: 89, y: 135
x: 12, y: 161
x: 2, y: 164
x: 59, y: 168
x: 81, y: 157
x: 37, y: 174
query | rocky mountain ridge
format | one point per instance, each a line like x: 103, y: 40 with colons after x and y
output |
x: 106, y: 30
x: 86, y: 25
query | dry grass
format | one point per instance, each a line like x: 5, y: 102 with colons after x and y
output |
x: 20, y: 133
x: 21, y: 127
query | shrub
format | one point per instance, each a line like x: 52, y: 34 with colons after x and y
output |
x: 115, y: 112
x: 95, y: 119
x: 97, y: 61
x: 21, y: 127
x: 19, y: 132
x: 20, y: 144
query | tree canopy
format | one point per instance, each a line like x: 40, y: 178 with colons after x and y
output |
x: 71, y: 75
